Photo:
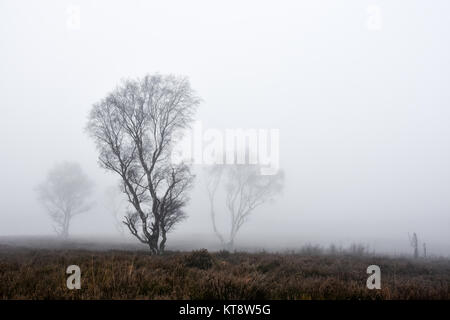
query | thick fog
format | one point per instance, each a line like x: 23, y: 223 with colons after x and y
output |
x: 359, y: 91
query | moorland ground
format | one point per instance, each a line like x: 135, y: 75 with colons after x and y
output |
x: 29, y: 273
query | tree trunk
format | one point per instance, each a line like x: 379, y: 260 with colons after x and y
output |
x: 162, y: 244
x: 230, y: 245
x: 65, y: 227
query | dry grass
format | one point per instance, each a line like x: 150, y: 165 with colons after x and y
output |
x: 40, y: 274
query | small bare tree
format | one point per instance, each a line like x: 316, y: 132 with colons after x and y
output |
x: 245, y: 190
x: 414, y: 242
x: 65, y: 194
x: 116, y: 205
x: 135, y: 128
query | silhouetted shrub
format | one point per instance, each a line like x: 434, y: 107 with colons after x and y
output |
x: 223, y: 254
x: 200, y: 259
x: 311, y: 250
x: 357, y: 249
x: 268, y: 266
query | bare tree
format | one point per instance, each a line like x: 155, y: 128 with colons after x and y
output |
x: 135, y: 128
x: 65, y: 194
x: 245, y: 189
x: 414, y: 242
x: 116, y: 205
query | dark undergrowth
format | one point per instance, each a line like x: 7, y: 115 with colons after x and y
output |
x: 40, y: 274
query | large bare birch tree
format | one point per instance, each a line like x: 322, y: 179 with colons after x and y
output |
x: 135, y: 128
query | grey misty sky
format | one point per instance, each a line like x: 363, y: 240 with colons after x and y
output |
x: 363, y: 115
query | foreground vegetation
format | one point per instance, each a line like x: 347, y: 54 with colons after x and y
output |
x: 40, y: 274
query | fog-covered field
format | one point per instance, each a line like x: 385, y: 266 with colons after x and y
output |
x: 297, y: 141
x: 308, y: 274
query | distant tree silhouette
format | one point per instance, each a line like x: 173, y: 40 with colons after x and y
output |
x: 115, y: 204
x: 245, y: 190
x: 64, y: 194
x: 414, y: 241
